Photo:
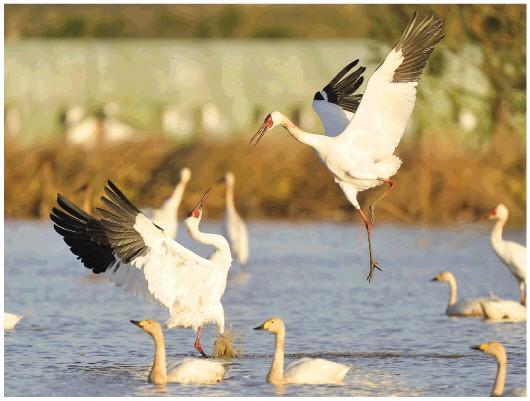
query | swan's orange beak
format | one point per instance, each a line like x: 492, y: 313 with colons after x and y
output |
x: 267, y: 124
x: 197, y: 210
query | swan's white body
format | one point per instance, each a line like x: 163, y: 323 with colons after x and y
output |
x: 503, y: 310
x: 512, y: 254
x: 496, y: 350
x: 358, y: 149
x: 167, y: 215
x: 196, y: 371
x: 185, y: 371
x: 234, y: 228
x: 302, y: 371
x: 11, y: 320
x: 137, y: 256
x: 314, y: 371
x: 492, y: 308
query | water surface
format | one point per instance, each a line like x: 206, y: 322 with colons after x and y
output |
x: 76, y: 339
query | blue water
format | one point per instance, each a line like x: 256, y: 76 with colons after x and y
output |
x: 76, y: 339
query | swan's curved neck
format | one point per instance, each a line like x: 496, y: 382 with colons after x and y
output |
x: 276, y: 372
x: 313, y: 140
x: 453, y: 291
x: 230, y: 196
x: 222, y: 249
x: 158, y: 373
x: 498, y: 386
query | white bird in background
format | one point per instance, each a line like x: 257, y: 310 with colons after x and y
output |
x: 492, y: 308
x: 496, y: 350
x: 302, y: 371
x: 135, y: 254
x: 11, y: 320
x: 359, y: 152
x: 512, y: 254
x: 234, y: 228
x: 185, y: 371
x: 167, y: 215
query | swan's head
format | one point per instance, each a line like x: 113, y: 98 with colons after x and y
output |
x: 492, y: 348
x: 185, y: 175
x: 500, y: 212
x: 444, y: 276
x: 274, y: 325
x: 272, y: 120
x: 195, y: 215
x: 151, y: 327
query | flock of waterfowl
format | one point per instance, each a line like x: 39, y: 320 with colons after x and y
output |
x: 138, y: 252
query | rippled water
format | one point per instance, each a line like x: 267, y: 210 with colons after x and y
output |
x: 76, y: 339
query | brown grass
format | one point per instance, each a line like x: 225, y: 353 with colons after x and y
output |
x: 438, y: 183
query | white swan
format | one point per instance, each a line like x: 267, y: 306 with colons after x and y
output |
x: 496, y: 350
x: 512, y: 254
x: 464, y: 307
x: 166, y: 216
x: 302, y: 371
x: 234, y: 228
x: 11, y: 320
x: 503, y: 310
x: 491, y: 308
x: 187, y: 370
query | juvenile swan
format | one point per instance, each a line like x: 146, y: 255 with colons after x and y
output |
x: 496, y: 350
x: 11, y: 320
x: 302, y: 371
x: 186, y: 371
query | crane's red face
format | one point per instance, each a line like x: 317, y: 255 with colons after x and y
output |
x: 488, y: 215
x: 197, y: 210
x: 267, y: 125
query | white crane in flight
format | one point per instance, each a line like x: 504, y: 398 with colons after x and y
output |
x: 358, y: 149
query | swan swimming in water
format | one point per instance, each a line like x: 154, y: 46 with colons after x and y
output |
x: 187, y: 370
x: 496, y: 350
x: 491, y: 308
x: 302, y: 371
x: 11, y: 320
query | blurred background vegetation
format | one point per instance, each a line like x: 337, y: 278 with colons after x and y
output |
x: 463, y: 153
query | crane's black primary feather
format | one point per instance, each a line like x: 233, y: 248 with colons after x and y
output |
x: 118, y: 221
x: 342, y: 87
x: 416, y: 45
x: 84, y: 235
x: 101, y: 244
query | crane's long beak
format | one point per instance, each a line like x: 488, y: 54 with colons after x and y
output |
x: 484, y: 216
x: 196, y: 212
x: 267, y: 124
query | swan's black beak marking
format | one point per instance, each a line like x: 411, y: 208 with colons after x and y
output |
x: 261, y: 327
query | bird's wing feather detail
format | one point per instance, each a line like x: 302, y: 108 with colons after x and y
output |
x: 337, y: 101
x: 389, y: 98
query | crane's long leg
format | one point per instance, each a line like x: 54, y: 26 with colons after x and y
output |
x: 373, y: 264
x: 522, y: 292
x: 197, y: 344
x: 371, y: 208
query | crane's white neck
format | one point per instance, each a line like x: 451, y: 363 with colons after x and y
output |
x: 500, y: 379
x: 276, y: 372
x: 222, y: 249
x: 158, y: 373
x: 230, y: 195
x: 313, y: 140
x: 496, y: 234
x: 176, y: 197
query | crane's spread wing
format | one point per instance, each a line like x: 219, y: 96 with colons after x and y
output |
x: 336, y: 103
x: 135, y: 253
x: 389, y: 98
